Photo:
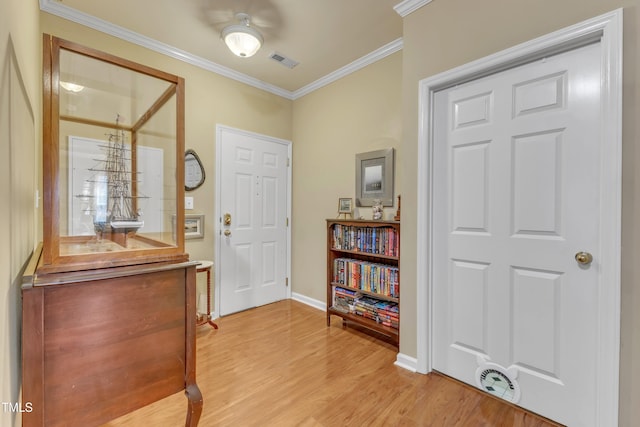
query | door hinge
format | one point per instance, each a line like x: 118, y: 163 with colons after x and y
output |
x: 287, y: 221
x: 286, y: 282
x: 288, y: 161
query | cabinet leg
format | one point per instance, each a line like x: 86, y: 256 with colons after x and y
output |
x: 194, y: 408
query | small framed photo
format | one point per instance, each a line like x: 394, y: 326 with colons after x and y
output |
x: 345, y: 205
x: 193, y: 226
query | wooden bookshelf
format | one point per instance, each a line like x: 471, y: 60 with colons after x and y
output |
x: 363, y: 275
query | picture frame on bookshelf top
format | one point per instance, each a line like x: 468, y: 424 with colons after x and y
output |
x: 345, y: 205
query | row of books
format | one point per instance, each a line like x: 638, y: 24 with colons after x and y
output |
x: 380, y: 311
x: 368, y: 276
x: 383, y: 312
x: 344, y: 300
x: 371, y: 240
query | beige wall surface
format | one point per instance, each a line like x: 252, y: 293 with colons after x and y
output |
x: 446, y: 34
x: 356, y: 114
x: 19, y: 115
x: 210, y: 99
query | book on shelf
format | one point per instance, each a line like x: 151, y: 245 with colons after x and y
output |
x: 371, y: 240
x: 347, y: 292
x: 368, y: 276
x: 383, y: 312
x: 344, y: 299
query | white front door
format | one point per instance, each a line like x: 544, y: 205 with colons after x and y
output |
x: 253, y: 230
x: 516, y: 198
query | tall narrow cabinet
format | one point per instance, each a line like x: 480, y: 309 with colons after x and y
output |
x: 363, y: 275
x: 108, y: 299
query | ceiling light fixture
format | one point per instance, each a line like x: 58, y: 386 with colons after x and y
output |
x: 243, y: 40
x: 72, y: 87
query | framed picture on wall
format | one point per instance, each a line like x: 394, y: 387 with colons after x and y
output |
x: 193, y: 226
x: 374, y: 177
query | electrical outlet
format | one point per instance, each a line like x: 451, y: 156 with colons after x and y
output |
x: 188, y: 202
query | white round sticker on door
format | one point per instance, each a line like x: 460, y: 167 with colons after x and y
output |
x: 498, y: 381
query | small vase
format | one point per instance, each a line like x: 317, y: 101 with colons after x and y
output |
x: 377, y: 209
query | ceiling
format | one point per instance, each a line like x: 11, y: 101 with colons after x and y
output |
x: 327, y: 37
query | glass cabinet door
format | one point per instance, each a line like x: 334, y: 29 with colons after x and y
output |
x: 113, y: 169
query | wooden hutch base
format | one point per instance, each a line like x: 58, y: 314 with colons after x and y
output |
x: 98, y: 344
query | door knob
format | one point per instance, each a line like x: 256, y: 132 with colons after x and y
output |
x: 227, y: 233
x: 584, y: 258
x: 227, y: 219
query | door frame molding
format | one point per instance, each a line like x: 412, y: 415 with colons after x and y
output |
x: 607, y: 31
x: 218, y: 214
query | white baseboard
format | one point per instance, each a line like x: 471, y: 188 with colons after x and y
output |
x: 320, y: 305
x: 406, y: 362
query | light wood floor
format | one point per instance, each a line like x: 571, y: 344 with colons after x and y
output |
x: 280, y: 365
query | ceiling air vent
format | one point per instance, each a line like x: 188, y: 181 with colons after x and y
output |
x: 287, y: 62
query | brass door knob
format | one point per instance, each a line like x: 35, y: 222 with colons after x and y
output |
x: 227, y: 233
x: 584, y: 258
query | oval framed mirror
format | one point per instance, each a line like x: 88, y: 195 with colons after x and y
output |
x: 193, y: 171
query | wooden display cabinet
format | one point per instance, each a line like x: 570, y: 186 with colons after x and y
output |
x: 113, y: 161
x: 109, y: 305
x: 363, y: 275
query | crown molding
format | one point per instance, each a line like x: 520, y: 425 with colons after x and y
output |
x: 63, y: 11
x: 356, y: 65
x: 58, y: 9
x: 405, y: 7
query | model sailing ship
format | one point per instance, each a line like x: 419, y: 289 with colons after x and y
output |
x: 115, y: 214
